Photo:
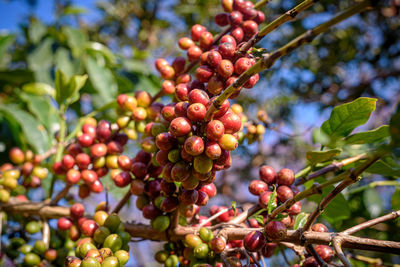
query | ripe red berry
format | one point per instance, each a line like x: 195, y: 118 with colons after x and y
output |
x: 169, y: 204
x: 16, y: 155
x: 139, y: 170
x: 284, y: 193
x: 182, y: 92
x: 221, y: 19
x: 214, y: 58
x: 68, y: 162
x: 77, y: 210
x: 267, y: 174
x: 196, y: 112
x: 250, y: 27
x: 137, y: 187
x: 285, y: 177
x: 325, y: 252
x: 260, y: 18
x: 202, y: 199
x: 64, y: 224
x: 122, y: 179
x: 223, y: 109
x: 168, y: 188
x: 98, y: 150
x: 235, y: 18
x: 268, y: 249
x: 257, y: 187
x: 310, y: 262
x: 180, y: 109
x: 73, y: 176
x: 213, y: 150
x: 185, y: 43
x: 168, y: 112
x: 263, y: 199
x: 239, y: 5
x: 96, y: 187
x: 231, y: 121
x: 198, y: 96
x: 206, y: 40
x: 124, y: 162
x: 319, y: 227
x: 161, y: 63
x: 242, y: 64
x: 179, y: 64
x: 218, y: 244
x: 196, y: 32
x: 238, y: 34
x: 188, y: 197
x: 209, y: 189
x: 204, y: 73
x: 194, y: 145
x: 180, y: 127
x: 180, y: 171
x: 225, y: 68
x: 194, y: 53
x: 227, y: 50
x: 252, y: 81
x: 275, y: 230
x: 168, y: 87
x: 89, y: 227
x: 254, y: 241
x: 215, y: 85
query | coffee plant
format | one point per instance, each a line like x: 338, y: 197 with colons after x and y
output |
x: 165, y: 144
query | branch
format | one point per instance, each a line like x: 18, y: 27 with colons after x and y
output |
x: 122, y: 202
x: 46, y: 233
x: 61, y: 195
x: 333, y: 167
x: 288, y: 16
x: 372, y: 185
x: 391, y: 216
x: 337, y: 246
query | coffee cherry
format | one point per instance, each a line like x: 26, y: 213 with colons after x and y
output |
x: 239, y: 5
x: 161, y: 63
x: 325, y: 252
x: 169, y: 204
x: 285, y: 177
x: 213, y: 59
x: 89, y: 176
x: 228, y: 39
x: 284, y: 193
x: 222, y: 110
x: 267, y: 174
x: 185, y: 43
x: 196, y: 112
x: 180, y: 126
x: 96, y: 187
x: 89, y: 227
x: 225, y: 68
x: 179, y: 64
x: 64, y: 224
x: 198, y: 96
x: 260, y: 18
x: 252, y: 81
x: 319, y: 227
x: 180, y: 171
x: 264, y: 199
x: 194, y: 145
x: 275, y: 230
x: 228, y: 142
x: 215, y: 85
x: 16, y: 155
x: 168, y: 87
x: 218, y: 244
x: 295, y: 208
x: 235, y: 18
x: 268, y: 249
x: 73, y: 176
x: 161, y: 223
x: 139, y: 170
x: 196, y: 32
x: 201, y: 251
x: 202, y: 199
x: 137, y: 187
x: 168, y: 112
x: 98, y: 150
x: 150, y: 211
x: 310, y: 262
x: 227, y: 50
x: 206, y: 40
x: 180, y: 109
x: 227, y: 5
x: 238, y: 34
x: 242, y: 64
x: 213, y: 150
x: 202, y: 164
x: 168, y: 188
x: 204, y: 73
x: 257, y: 187
x: 77, y: 210
x: 183, y: 78
x: 194, y: 53
x: 67, y: 162
x: 122, y: 179
x: 188, y: 197
x: 254, y: 241
x: 165, y: 141
x: 190, y: 183
x: 221, y: 19
x: 231, y: 121
x: 209, y: 189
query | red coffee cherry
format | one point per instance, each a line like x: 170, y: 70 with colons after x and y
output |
x: 165, y: 141
x: 180, y: 127
x: 227, y: 5
x: 150, y: 211
x: 82, y: 160
x: 214, y: 58
x: 195, y: 84
x: 218, y: 244
x: 98, y: 150
x: 249, y: 13
x: 168, y: 87
x: 169, y: 204
x: 250, y: 27
x: 185, y: 43
x: 228, y: 39
x: 267, y: 174
x: 180, y: 171
x: 90, y: 129
x: 203, y: 58
x: 198, y: 96
x: 285, y: 177
x: 194, y: 53
x: 238, y: 34
x: 319, y: 227
x: 194, y: 145
x: 202, y: 199
x: 209, y: 189
x: 196, y: 32
x: 161, y: 63
x: 89, y: 176
x: 215, y: 85
x: 225, y: 68
x: 231, y: 121
x: 204, y: 73
x: 68, y: 162
x: 325, y: 252
x: 139, y: 170
x: 77, y: 210
x: 16, y: 155
x: 64, y: 224
x: 89, y: 227
x: 122, y: 179
x: 213, y: 150
x: 268, y: 249
x: 183, y: 78
x: 257, y: 187
x: 252, y: 81
x: 168, y: 73
x: 137, y: 187
x: 180, y: 109
x: 124, y: 162
x: 260, y: 18
x: 182, y: 92
x: 206, y: 40
x: 284, y: 193
x: 221, y: 19
x: 239, y: 5
x: 196, y: 112
x: 227, y: 50
x: 188, y: 197
x: 263, y: 200
x: 179, y: 64
x: 295, y: 208
x: 73, y: 176
x: 254, y: 241
x: 242, y: 64
x: 310, y: 262
x: 168, y: 112
x: 223, y: 109
x: 275, y: 230
x: 235, y: 18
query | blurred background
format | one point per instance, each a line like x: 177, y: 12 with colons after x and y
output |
x: 116, y: 43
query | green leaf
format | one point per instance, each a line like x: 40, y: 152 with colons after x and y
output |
x: 76, y: 40
x: 315, y: 157
x: 373, y: 202
x: 40, y: 89
x: 41, y: 60
x: 233, y: 204
x: 63, y: 62
x: 338, y: 209
x: 5, y: 42
x: 300, y: 220
x: 16, y: 77
x: 36, y: 31
x: 102, y: 80
x: 345, y: 118
x: 383, y: 168
x: 42, y: 108
x: 75, y: 84
x: 67, y: 90
x: 74, y: 10
x: 33, y: 130
x: 102, y: 49
x: 369, y: 137
x: 396, y: 199
x: 395, y: 128
x: 61, y: 82
x: 271, y: 201
x: 259, y: 219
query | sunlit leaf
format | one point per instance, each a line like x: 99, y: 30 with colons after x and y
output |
x: 315, y: 157
x: 369, y: 137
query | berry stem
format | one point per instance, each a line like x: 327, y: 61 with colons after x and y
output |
x: 390, y: 216
x: 337, y: 246
x: 372, y: 185
x: 122, y: 202
x: 60, y: 195
x: 310, y: 248
x: 268, y: 60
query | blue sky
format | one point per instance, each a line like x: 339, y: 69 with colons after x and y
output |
x: 12, y: 12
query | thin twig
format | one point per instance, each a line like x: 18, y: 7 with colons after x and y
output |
x: 46, y: 233
x: 60, y: 195
x: 216, y: 215
x: 337, y: 246
x: 253, y: 258
x: 262, y: 259
x: 391, y: 216
x: 284, y: 255
x: 122, y: 202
